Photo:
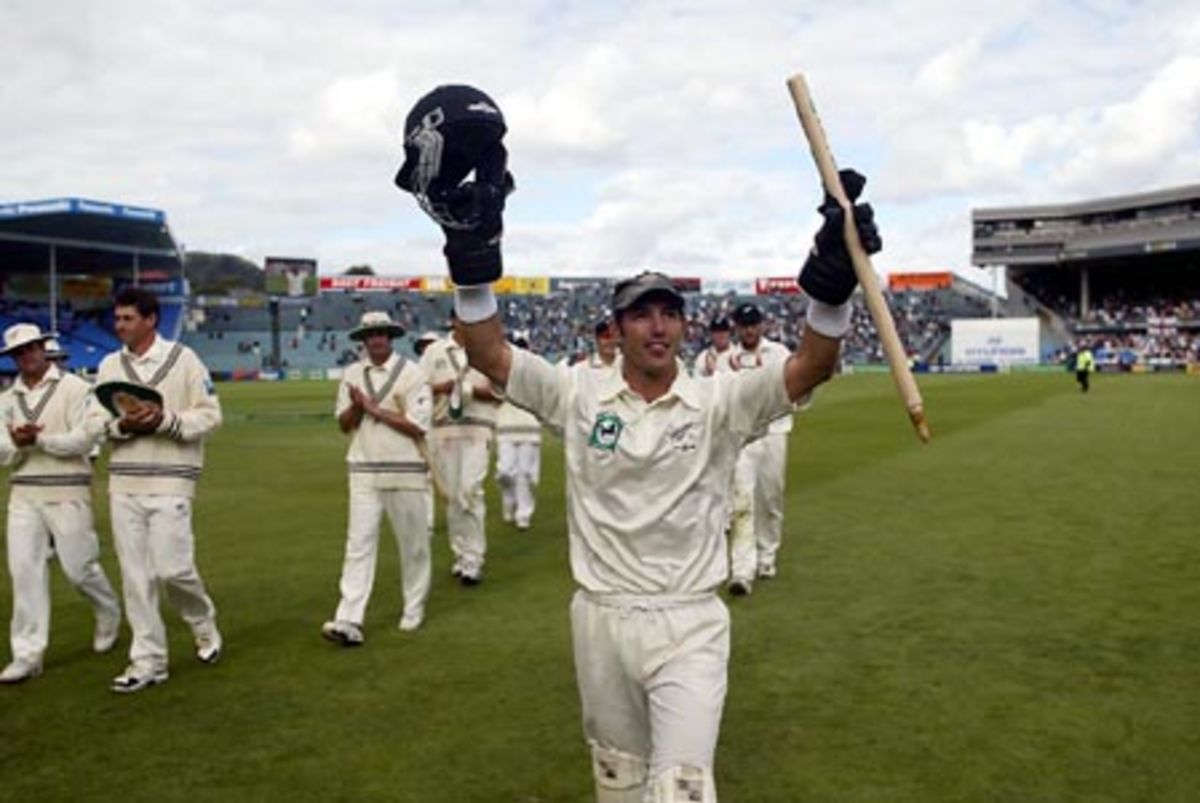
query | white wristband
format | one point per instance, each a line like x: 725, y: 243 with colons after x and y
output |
x: 474, y: 303
x: 826, y: 319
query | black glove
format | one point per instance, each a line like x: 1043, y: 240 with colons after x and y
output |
x: 828, y: 273
x: 473, y: 242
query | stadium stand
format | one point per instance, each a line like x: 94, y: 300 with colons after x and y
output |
x: 234, y: 335
x: 1119, y: 274
x: 62, y: 259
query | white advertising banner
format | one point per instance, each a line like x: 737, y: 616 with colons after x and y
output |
x: 995, y: 341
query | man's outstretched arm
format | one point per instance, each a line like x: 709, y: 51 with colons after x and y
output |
x: 483, y: 337
x: 812, y: 363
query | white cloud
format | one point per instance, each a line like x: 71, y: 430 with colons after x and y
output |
x: 641, y: 132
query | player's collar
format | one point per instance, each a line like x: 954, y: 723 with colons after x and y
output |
x: 388, y: 364
x: 683, y: 387
x: 158, y: 349
x: 53, y: 374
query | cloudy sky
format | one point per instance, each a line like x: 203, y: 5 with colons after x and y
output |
x: 641, y: 133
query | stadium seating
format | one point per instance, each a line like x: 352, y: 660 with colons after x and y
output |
x: 560, y: 325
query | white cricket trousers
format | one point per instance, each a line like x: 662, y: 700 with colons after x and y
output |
x: 518, y: 468
x: 31, y: 526
x: 652, y: 675
x: 760, y: 474
x: 463, y: 465
x: 407, y: 510
x: 156, y: 550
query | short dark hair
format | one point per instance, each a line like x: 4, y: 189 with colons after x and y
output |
x: 145, y: 301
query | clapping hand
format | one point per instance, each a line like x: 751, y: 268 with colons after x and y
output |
x: 25, y: 434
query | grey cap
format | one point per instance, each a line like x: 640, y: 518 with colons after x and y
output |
x: 630, y: 291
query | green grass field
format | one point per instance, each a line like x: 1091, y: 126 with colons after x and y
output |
x: 1009, y: 614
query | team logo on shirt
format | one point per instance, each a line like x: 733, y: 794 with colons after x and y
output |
x: 684, y: 438
x: 606, y: 432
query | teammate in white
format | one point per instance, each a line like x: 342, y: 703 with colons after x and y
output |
x: 607, y: 344
x: 650, y: 454
x: 518, y: 457
x: 50, y: 507
x: 157, y: 457
x: 714, y: 360
x: 464, y: 419
x: 761, y: 466
x: 384, y: 402
x: 419, y: 346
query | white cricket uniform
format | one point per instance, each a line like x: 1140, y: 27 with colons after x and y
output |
x: 387, y: 474
x: 50, y: 507
x: 459, y: 444
x: 151, y: 484
x: 760, y: 475
x: 518, y: 461
x: 647, y: 497
x: 741, y: 520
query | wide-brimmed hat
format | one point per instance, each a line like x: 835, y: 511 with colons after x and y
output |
x: 117, y: 397
x: 376, y: 321
x: 22, y: 334
x: 649, y: 283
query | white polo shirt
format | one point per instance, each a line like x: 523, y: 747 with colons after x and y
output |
x: 767, y: 354
x: 648, y: 484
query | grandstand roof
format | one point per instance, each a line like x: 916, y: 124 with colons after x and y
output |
x: 1163, y: 221
x: 79, y: 223
x: 1096, y: 206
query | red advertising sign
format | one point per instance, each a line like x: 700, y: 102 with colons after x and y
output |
x: 371, y: 284
x: 777, y: 286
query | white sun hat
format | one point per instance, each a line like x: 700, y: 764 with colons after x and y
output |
x: 22, y: 334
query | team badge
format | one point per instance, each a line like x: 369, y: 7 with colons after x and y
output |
x: 606, y: 432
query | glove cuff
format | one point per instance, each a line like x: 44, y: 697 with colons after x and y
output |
x: 828, y: 319
x: 473, y: 304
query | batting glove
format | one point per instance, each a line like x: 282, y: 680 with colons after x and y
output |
x: 828, y: 273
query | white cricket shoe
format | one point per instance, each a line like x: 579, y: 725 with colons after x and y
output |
x: 208, y: 642
x: 20, y: 670
x: 136, y: 678
x: 347, y: 634
x: 106, y: 633
x: 523, y: 524
x: 411, y: 620
x: 766, y: 571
